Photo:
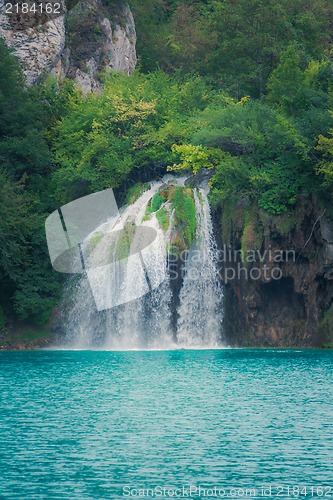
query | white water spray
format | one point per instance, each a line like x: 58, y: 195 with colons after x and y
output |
x: 146, y: 323
x: 200, y: 312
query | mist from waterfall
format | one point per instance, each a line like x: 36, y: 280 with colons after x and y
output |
x: 149, y: 322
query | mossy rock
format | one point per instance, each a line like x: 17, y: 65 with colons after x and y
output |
x: 156, y: 202
x: 163, y: 218
x: 180, y: 201
x: 253, y: 232
x: 233, y: 218
x: 134, y: 192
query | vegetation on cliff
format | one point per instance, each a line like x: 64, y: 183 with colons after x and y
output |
x: 175, y: 204
x: 243, y: 88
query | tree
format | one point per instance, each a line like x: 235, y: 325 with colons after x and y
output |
x: 23, y: 148
x: 325, y: 166
x: 127, y: 129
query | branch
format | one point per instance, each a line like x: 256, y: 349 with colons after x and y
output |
x: 313, y: 227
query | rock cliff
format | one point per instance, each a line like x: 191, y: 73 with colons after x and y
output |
x: 91, y: 37
x: 279, y: 275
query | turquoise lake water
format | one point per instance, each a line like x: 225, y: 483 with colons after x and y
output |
x: 105, y: 425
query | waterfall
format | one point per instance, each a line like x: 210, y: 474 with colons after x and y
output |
x: 200, y: 312
x: 147, y: 321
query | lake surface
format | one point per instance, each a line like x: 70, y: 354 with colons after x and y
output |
x: 104, y: 425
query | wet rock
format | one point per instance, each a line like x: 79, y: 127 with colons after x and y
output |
x: 284, y: 302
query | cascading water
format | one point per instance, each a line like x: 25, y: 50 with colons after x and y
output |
x: 200, y: 312
x: 146, y: 322
x: 126, y: 325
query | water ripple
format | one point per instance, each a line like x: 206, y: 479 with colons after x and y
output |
x: 81, y: 425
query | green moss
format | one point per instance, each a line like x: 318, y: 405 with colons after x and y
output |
x: 252, y: 237
x: 285, y: 223
x: 135, y: 192
x: 182, y: 204
x: 123, y: 244
x: 95, y: 239
x: 253, y: 223
x: 200, y: 197
x: 163, y: 218
x: 177, y: 244
x: 289, y: 220
x: 156, y: 202
x: 182, y: 201
x: 232, y: 219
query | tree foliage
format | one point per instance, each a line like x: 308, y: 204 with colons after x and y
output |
x: 241, y: 88
x: 236, y: 43
x: 130, y: 126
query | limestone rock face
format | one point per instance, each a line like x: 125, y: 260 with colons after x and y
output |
x: 82, y: 43
x: 120, y: 43
x: 98, y: 40
x: 39, y: 49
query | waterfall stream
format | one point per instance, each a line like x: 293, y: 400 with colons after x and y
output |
x: 200, y: 312
x: 147, y: 322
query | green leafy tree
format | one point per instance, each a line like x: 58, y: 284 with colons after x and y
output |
x: 129, y: 127
x: 23, y: 148
x: 251, y: 36
x: 325, y: 166
x: 17, y: 223
x: 255, y: 152
x: 236, y: 43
